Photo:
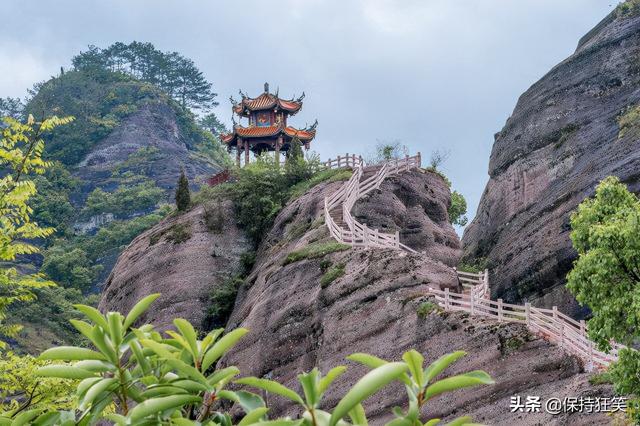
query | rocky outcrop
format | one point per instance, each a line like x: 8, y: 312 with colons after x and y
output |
x: 154, y: 127
x: 299, y: 320
x: 415, y: 204
x: 561, y: 140
x: 184, y: 259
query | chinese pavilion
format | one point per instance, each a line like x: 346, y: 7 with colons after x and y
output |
x: 267, y: 129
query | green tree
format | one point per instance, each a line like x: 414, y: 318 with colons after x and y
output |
x: 296, y: 168
x: 183, y: 196
x: 606, y: 275
x: 178, y: 76
x: 21, y: 148
x: 211, y: 123
x: 458, y: 209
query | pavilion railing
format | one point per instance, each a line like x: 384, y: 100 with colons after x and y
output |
x: 356, y: 233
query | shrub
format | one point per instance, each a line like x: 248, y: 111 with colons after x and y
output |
x: 458, y: 209
x: 137, y: 193
x: 139, y: 376
x: 221, y: 302
x: 425, y: 308
x: 315, y: 250
x: 214, y: 216
x: 179, y: 233
x: 332, y: 274
x: 629, y: 121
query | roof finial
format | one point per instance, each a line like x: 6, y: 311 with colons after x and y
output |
x: 266, y: 88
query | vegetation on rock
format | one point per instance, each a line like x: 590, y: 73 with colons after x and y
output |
x: 332, y: 274
x: 629, y: 122
x: 183, y: 196
x: 315, y: 250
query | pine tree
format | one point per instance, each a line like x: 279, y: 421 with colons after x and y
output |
x: 183, y: 196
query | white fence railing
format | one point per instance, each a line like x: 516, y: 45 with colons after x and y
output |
x: 553, y: 325
x: 356, y: 233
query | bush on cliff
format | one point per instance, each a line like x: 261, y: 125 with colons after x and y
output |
x: 263, y: 187
x: 606, y: 276
x: 137, y: 376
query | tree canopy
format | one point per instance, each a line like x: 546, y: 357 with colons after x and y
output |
x: 173, y: 73
x: 606, y: 276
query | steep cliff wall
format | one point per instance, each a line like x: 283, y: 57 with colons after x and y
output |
x: 563, y: 137
x: 182, y: 258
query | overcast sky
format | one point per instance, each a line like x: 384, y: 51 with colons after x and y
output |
x: 434, y: 74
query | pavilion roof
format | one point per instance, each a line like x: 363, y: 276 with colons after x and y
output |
x: 266, y: 101
x: 304, y: 135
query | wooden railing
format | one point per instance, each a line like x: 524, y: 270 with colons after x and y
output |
x: 356, y: 233
x: 344, y: 161
x: 553, y: 325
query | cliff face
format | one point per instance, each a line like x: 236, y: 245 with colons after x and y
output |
x: 154, y: 131
x: 184, y: 259
x: 563, y: 137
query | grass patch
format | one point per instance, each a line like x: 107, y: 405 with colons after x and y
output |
x: 629, y: 122
x: 313, y: 251
x: 179, y: 233
x: 563, y: 134
x: 332, y: 274
x: 425, y: 308
x: 329, y: 175
x: 601, y: 378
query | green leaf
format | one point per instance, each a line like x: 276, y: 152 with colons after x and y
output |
x: 248, y: 401
x: 414, y: 361
x: 432, y: 422
x: 94, y: 315
x: 222, y: 346
x: 139, y: 309
x: 221, y: 375
x: 439, y: 365
x: 271, y: 386
x: 25, y: 418
x: 189, y: 334
x: 460, y: 421
x: 309, y: 387
x: 466, y: 380
x: 64, y: 372
x: 332, y: 375
x: 95, y: 390
x: 188, y: 371
x: 367, y: 360
x: 373, y: 361
x: 367, y: 386
x: 281, y: 422
x: 358, y: 416
x: 85, y: 384
x: 71, y: 353
x: 160, y: 349
x: 115, y: 328
x: 158, y: 405
x: 254, y: 416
